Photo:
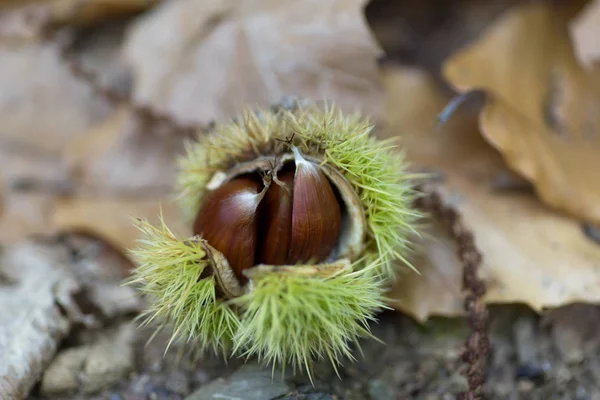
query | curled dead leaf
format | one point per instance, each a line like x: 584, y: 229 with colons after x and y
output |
x: 531, y: 254
x: 89, y: 12
x: 541, y: 107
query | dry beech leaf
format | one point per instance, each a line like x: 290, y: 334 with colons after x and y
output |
x: 205, y: 60
x: 531, y: 254
x: 31, y: 322
x: 585, y: 31
x: 542, y: 106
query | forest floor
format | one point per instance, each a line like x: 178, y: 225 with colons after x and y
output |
x: 553, y: 357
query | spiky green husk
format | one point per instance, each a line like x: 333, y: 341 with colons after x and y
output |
x: 168, y: 272
x: 285, y: 318
x: 295, y: 319
x: 375, y: 168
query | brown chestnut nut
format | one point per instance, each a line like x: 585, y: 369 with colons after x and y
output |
x: 292, y: 218
x: 228, y: 221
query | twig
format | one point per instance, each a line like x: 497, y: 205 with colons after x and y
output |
x: 477, y: 344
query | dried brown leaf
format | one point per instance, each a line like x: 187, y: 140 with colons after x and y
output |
x: 66, y: 166
x: 541, y: 110
x: 201, y: 61
x: 89, y: 12
x: 531, y: 254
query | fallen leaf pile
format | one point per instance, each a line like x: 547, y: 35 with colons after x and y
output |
x: 520, y: 165
x: 75, y: 161
x: 538, y: 119
x: 65, y: 166
x: 532, y: 254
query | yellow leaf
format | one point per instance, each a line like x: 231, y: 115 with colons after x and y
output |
x: 542, y: 106
x: 531, y: 254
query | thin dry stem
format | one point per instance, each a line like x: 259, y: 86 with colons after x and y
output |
x: 477, y: 344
